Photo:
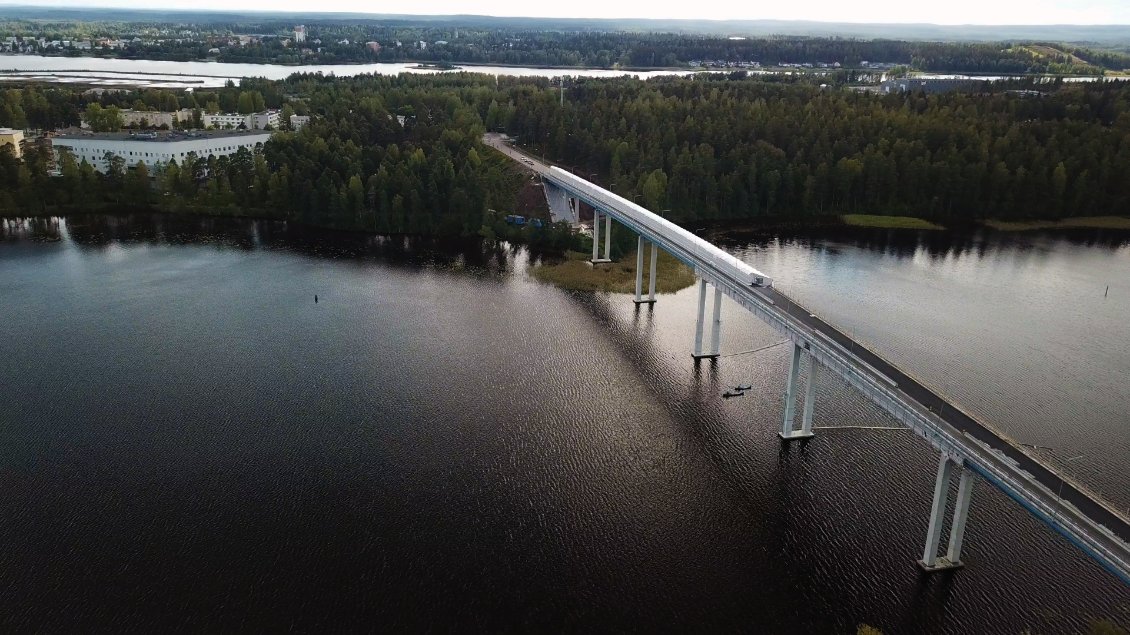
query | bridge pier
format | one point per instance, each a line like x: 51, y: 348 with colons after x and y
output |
x: 700, y: 324
x: 788, y: 432
x: 596, y: 216
x: 651, y: 278
x: 639, y: 272
x: 608, y: 237
x: 931, y: 562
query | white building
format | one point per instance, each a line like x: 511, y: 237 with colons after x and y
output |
x: 299, y: 34
x: 233, y: 120
x: 14, y: 138
x: 297, y: 121
x: 153, y: 148
x: 151, y: 118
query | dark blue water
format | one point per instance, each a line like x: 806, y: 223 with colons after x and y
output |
x: 190, y: 443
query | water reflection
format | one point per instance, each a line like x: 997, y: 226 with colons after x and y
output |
x: 103, y: 231
x: 936, y: 245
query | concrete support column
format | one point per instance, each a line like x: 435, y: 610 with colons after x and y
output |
x: 639, y: 270
x: 787, y: 432
x: 595, y: 235
x: 700, y: 325
x: 701, y: 318
x: 937, y: 512
x: 716, y: 331
x: 809, y: 397
x: 596, y: 218
x: 794, y: 370
x: 639, y: 273
x: 930, y: 561
x: 607, y: 237
x: 651, y: 279
x: 960, y: 515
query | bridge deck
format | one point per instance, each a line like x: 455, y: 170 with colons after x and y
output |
x: 1074, y: 512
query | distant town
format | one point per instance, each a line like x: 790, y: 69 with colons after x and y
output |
x: 222, y: 38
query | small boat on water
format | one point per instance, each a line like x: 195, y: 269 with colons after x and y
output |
x: 743, y: 387
x: 732, y: 393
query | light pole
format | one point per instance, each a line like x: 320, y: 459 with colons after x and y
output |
x: 1059, y: 494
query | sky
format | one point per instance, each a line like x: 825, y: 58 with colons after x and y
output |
x: 904, y: 11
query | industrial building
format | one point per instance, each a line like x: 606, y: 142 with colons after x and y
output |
x: 155, y: 147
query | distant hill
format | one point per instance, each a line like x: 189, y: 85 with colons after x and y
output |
x: 1111, y: 35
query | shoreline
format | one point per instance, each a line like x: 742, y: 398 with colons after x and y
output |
x: 432, y: 65
x: 715, y: 226
x: 911, y: 223
x: 429, y: 64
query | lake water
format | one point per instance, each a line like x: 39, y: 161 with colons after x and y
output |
x: 157, y: 74
x: 190, y: 442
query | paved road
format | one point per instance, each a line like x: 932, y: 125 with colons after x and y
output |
x: 501, y: 143
x: 558, y: 209
x: 910, y: 387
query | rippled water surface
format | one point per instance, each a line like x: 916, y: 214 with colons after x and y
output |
x: 190, y: 442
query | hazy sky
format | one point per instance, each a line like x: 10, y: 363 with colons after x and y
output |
x: 936, y: 12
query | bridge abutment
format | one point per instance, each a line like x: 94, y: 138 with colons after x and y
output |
x: 931, y: 562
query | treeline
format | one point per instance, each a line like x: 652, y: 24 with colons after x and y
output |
x: 641, y: 50
x: 403, y: 154
x: 711, y: 148
x: 355, y: 166
x: 49, y: 108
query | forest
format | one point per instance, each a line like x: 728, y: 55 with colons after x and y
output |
x: 712, y: 148
x: 354, y: 167
x: 701, y: 148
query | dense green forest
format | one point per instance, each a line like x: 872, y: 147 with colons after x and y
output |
x: 713, y: 148
x: 345, y: 41
x: 354, y: 167
x: 708, y: 147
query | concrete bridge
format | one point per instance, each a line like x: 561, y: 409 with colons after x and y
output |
x: 968, y: 449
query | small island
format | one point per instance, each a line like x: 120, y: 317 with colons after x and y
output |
x: 436, y: 66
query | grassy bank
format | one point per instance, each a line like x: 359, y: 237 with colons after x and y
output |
x: 1082, y: 222
x: 575, y: 272
x: 888, y: 222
